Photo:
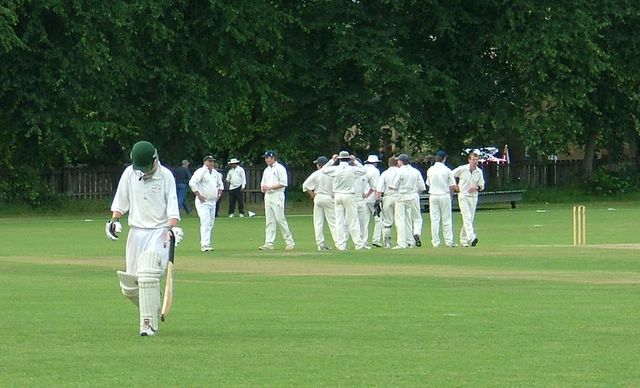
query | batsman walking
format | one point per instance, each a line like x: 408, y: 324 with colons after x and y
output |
x: 147, y: 192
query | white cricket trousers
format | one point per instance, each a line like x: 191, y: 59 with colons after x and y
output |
x: 376, y: 237
x: 403, y: 220
x: 440, y: 212
x: 207, y: 213
x: 467, y: 204
x: 274, y: 214
x: 347, y: 214
x: 141, y: 240
x: 324, y: 210
x: 363, y: 218
x: 388, y: 215
x: 416, y: 215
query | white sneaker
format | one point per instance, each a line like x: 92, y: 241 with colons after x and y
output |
x: 206, y: 248
x: 266, y: 247
x: 230, y: 215
x: 290, y: 247
x: 399, y: 247
x: 241, y: 215
x: 323, y: 248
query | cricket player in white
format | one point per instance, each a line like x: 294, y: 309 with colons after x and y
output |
x: 405, y: 187
x: 273, y: 183
x: 345, y: 169
x: 363, y: 185
x: 416, y: 213
x: 441, y: 185
x: 207, y: 186
x: 373, y: 174
x: 147, y: 191
x: 320, y: 188
x: 470, y: 182
x: 388, y: 196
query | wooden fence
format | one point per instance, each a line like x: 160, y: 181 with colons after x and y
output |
x: 80, y: 182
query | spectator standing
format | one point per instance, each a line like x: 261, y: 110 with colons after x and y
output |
x: 441, y: 186
x: 183, y: 175
x: 237, y: 180
x: 206, y: 184
x: 273, y: 184
x: 470, y: 182
x: 319, y: 186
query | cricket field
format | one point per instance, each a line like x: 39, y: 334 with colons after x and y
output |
x: 525, y: 308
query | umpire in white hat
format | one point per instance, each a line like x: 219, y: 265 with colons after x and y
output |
x: 237, y: 181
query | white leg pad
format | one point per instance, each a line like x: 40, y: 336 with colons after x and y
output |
x: 149, y: 272
x: 129, y: 286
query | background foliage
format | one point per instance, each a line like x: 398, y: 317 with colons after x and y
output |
x: 81, y: 82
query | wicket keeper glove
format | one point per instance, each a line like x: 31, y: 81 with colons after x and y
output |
x: 377, y: 208
x: 113, y: 228
x: 178, y: 234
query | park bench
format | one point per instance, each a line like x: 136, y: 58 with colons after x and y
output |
x: 484, y: 197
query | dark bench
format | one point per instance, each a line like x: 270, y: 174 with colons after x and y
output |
x: 484, y: 197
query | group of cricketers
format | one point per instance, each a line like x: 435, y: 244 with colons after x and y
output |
x: 346, y: 193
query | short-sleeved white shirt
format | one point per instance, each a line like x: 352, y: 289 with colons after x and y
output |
x: 150, y: 202
x: 469, y: 179
x: 236, y: 178
x: 385, y: 179
x: 276, y: 173
x: 319, y: 183
x: 439, y: 179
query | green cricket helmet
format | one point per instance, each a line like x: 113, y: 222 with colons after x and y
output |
x: 143, y: 154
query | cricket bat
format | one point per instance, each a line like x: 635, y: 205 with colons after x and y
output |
x: 168, y: 287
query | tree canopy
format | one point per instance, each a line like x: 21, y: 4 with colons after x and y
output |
x: 82, y: 81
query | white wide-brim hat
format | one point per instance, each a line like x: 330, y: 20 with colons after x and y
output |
x: 373, y: 159
x: 234, y: 161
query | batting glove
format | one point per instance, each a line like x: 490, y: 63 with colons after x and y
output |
x: 178, y: 234
x: 113, y: 228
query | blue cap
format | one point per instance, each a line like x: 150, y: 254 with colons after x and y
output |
x: 441, y: 154
x: 269, y: 154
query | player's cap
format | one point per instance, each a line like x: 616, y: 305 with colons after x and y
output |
x: 372, y: 159
x: 234, y: 161
x: 322, y: 160
x: 269, y: 154
x: 404, y: 158
x: 207, y: 158
x: 143, y: 154
x: 441, y: 154
x: 344, y: 155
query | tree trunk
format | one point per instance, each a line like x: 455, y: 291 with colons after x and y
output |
x: 589, y: 155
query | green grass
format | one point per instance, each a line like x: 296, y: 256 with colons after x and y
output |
x: 524, y: 308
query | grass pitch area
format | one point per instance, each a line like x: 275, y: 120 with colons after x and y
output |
x: 523, y: 308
